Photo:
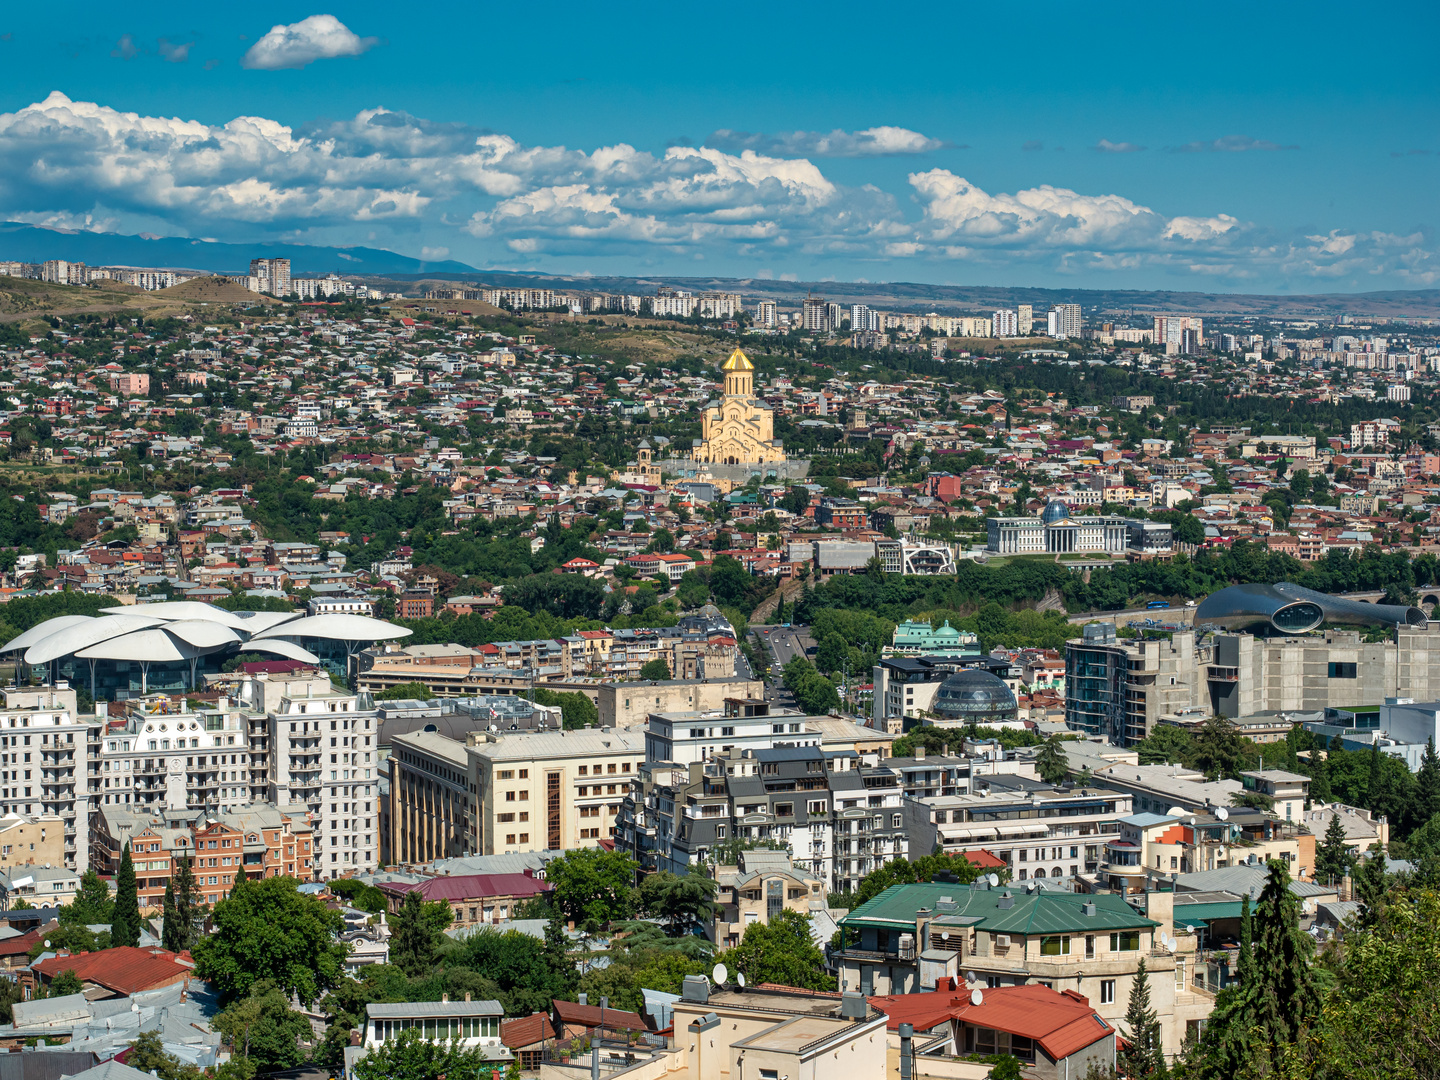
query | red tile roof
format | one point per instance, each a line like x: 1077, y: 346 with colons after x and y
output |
x: 569, y: 1012
x: 526, y: 1030
x: 126, y: 970
x: 1061, y: 1023
x: 985, y: 860
x: 470, y: 886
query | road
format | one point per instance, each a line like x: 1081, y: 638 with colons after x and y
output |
x: 784, y: 644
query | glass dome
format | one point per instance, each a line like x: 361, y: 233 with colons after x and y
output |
x: 975, y: 696
x: 1055, y: 511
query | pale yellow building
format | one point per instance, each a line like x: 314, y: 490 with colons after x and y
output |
x: 739, y: 429
x: 31, y: 841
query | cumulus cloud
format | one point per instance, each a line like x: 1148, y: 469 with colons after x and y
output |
x: 320, y: 37
x: 871, y: 142
x: 1229, y: 144
x: 175, y: 52
x: 125, y: 48
x: 1108, y: 147
x: 386, y: 177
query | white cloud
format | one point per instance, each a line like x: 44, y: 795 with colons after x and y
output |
x: 871, y: 142
x: 1107, y: 147
x: 320, y: 37
x: 125, y: 48
x: 1229, y: 144
x: 175, y: 52
x: 384, y: 177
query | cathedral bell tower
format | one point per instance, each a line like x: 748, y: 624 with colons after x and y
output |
x: 739, y: 375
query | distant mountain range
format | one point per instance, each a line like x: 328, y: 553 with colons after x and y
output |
x: 32, y: 243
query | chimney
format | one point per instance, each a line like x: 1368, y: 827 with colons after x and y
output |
x: 907, y: 1034
x: 444, y: 999
x: 467, y: 995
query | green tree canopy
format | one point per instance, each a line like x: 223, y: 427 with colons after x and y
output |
x: 416, y: 931
x: 657, y: 670
x: 125, y: 922
x: 270, y: 930
x: 682, y: 901
x: 411, y: 1056
x: 592, y: 885
x: 780, y: 951
x: 263, y: 1028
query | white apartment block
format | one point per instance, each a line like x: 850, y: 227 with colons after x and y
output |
x: 45, y: 763
x: 272, y: 275
x: 1064, y: 321
x: 1005, y: 323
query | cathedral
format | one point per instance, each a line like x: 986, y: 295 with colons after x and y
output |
x: 739, y: 429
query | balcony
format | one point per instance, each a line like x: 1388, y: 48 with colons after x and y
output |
x: 1223, y: 674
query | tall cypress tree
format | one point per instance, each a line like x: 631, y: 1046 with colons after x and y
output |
x: 170, y: 935
x: 1144, y: 1055
x: 240, y: 879
x: 1332, y: 860
x: 125, y: 924
x: 187, y: 908
x: 1426, y: 803
x: 1259, y: 1017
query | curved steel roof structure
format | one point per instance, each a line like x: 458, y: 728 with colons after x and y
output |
x: 40, y: 631
x: 1292, y: 609
x: 185, y: 629
x: 337, y: 628
x: 73, y: 638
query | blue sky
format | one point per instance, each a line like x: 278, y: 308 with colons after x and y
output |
x: 1224, y: 147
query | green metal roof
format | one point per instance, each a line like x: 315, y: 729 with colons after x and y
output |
x: 1194, y: 914
x: 1040, y: 912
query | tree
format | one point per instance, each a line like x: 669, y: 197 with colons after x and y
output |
x: 67, y: 982
x: 592, y: 885
x: 1050, y: 761
x: 1144, y: 1054
x: 832, y: 653
x: 1332, y: 860
x: 271, y: 930
x: 125, y: 923
x: 182, y: 908
x: 525, y: 975
x: 1268, y: 1011
x: 415, y: 933
x: 1370, y: 885
x: 1219, y: 748
x: 1166, y: 745
x: 412, y: 1056
x: 1426, y: 803
x: 92, y: 903
x: 657, y: 670
x: 263, y: 1028
x: 780, y: 951
x: 683, y: 901
x: 148, y: 1054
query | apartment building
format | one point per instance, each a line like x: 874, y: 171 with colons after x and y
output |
x: 910, y: 937
x: 740, y: 723
x: 759, y: 886
x: 1040, y: 831
x: 1152, y: 849
x: 837, y: 812
x: 1120, y: 687
x: 629, y: 705
x: 37, y: 840
x: 429, y: 796
x: 45, y: 763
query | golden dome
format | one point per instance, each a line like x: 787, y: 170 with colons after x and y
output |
x: 738, y: 362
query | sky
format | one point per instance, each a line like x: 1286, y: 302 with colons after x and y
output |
x: 1225, y: 147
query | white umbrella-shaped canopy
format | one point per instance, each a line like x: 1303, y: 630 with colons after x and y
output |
x: 176, y: 610
x: 203, y: 635
x: 72, y: 639
x: 40, y: 631
x: 280, y: 647
x: 337, y: 628
x: 153, y: 646
x: 255, y: 621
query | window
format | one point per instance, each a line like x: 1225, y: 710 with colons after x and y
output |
x: 895, y: 821
x: 509, y: 796
x: 1125, y: 941
x: 510, y: 838
x: 506, y: 774
x: 1341, y: 671
x: 524, y: 796
x: 524, y: 774
x: 584, y: 770
x: 1055, y: 946
x: 504, y: 818
x: 1107, y: 991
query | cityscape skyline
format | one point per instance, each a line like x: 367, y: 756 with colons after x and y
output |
x: 667, y: 150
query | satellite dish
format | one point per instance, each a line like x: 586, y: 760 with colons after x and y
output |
x: 1175, y: 811
x: 994, y: 881
x: 969, y: 976
x: 47, y: 943
x: 740, y: 978
x: 976, y: 997
x: 944, y: 935
x: 1222, y: 813
x: 720, y: 974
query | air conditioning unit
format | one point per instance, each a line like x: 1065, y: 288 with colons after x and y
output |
x: 907, y: 947
x: 1002, y: 941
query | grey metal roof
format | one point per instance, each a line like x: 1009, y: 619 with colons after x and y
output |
x: 404, y: 1010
